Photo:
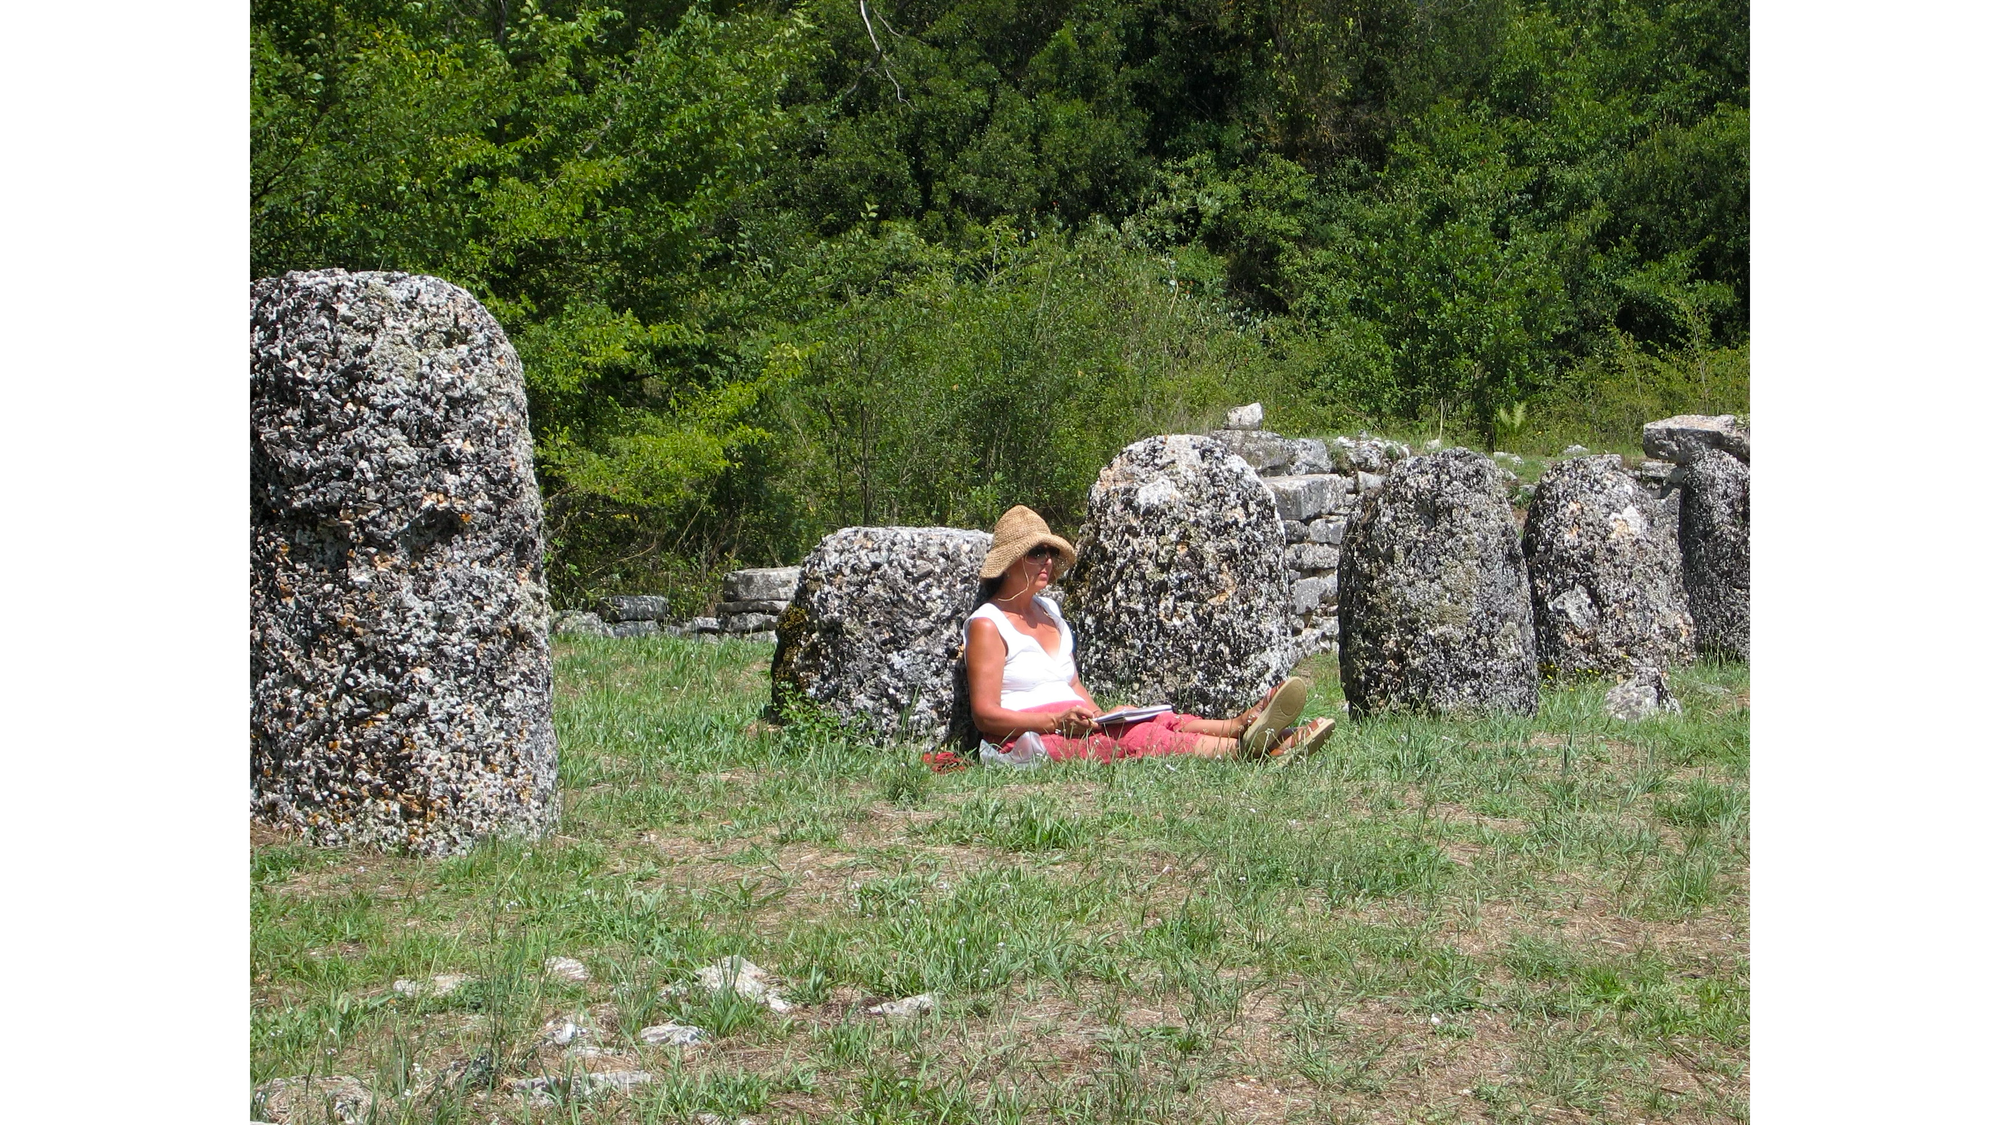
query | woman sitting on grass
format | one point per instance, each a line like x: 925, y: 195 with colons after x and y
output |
x: 1020, y: 668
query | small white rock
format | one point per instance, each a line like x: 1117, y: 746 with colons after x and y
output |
x: 568, y: 968
x: 1246, y: 417
x: 907, y: 1006
x: 673, y: 1035
x: 443, y: 984
x: 1644, y: 693
x: 616, y: 1079
x: 538, y: 1088
x: 560, y: 1032
x: 740, y: 976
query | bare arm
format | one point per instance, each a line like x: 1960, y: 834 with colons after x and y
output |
x: 985, y: 657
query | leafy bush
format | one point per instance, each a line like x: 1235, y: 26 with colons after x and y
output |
x: 1006, y: 374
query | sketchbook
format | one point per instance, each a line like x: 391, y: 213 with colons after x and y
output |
x: 1131, y: 714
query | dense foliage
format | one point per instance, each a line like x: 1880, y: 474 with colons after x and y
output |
x: 775, y: 268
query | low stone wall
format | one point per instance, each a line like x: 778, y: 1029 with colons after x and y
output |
x: 752, y: 601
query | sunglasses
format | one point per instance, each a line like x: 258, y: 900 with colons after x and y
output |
x: 1044, y: 551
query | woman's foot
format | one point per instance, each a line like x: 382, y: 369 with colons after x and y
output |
x: 1242, y: 722
x: 1280, y: 709
x: 1303, y: 740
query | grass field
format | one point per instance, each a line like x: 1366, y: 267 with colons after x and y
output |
x: 1506, y: 920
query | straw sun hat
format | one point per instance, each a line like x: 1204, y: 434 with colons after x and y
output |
x: 1017, y: 533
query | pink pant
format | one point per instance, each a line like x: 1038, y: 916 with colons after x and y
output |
x: 1161, y: 734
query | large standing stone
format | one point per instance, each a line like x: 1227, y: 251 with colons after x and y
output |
x: 1434, y: 609
x: 874, y: 630
x: 1675, y: 439
x: 1605, y: 573
x: 1179, y: 591
x: 1715, y: 551
x: 399, y: 622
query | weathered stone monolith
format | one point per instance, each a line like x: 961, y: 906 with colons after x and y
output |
x: 1605, y: 573
x: 874, y: 629
x: 1179, y: 592
x: 1715, y: 550
x: 399, y: 645
x: 1434, y: 608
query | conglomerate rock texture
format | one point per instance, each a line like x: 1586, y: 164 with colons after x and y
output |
x: 1179, y: 593
x: 1715, y: 550
x: 874, y: 631
x: 1605, y: 573
x: 399, y: 654
x: 1434, y: 608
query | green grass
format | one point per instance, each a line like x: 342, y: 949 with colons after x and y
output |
x: 1501, y: 920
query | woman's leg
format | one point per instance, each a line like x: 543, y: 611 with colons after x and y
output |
x: 1213, y: 746
x: 1171, y: 734
x: 1230, y: 728
x: 1162, y: 734
x: 1218, y: 728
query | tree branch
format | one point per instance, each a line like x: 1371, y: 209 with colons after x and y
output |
x: 880, y: 57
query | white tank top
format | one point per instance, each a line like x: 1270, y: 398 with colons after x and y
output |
x: 1031, y: 677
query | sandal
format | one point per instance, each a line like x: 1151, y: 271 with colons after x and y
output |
x: 1302, y: 741
x: 1280, y: 711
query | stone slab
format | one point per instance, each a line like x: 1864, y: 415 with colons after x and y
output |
x: 1305, y: 498
x: 1675, y: 439
x: 761, y: 584
x: 633, y: 607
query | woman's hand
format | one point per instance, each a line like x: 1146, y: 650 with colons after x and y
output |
x: 1075, y: 722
